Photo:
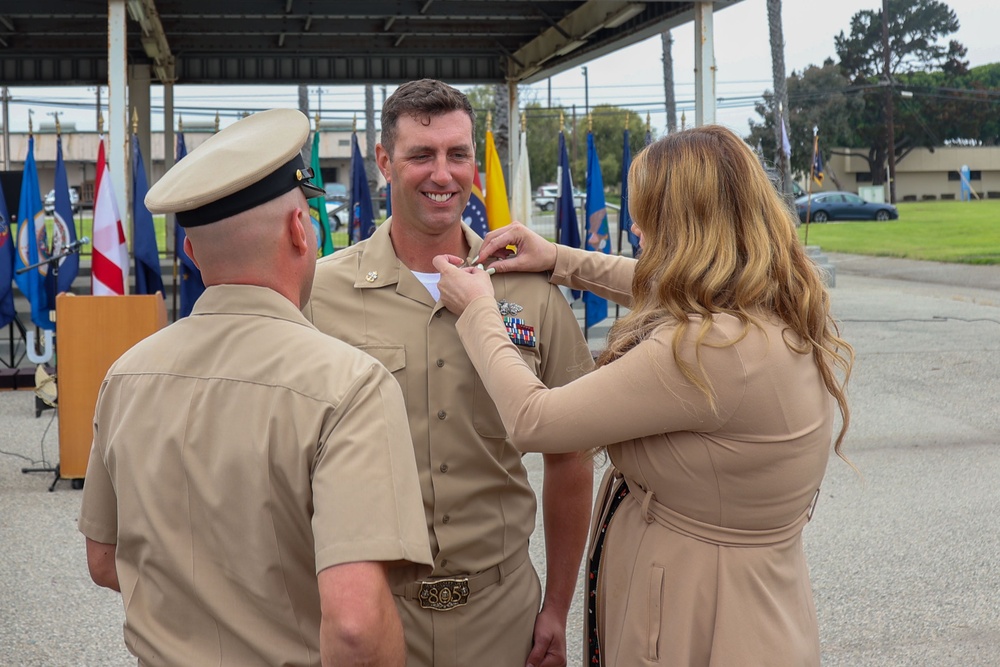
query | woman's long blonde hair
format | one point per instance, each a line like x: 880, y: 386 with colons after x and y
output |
x: 717, y: 238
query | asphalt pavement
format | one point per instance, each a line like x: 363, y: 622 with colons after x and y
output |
x: 904, y: 557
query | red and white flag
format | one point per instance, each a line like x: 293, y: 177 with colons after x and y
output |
x: 109, y: 271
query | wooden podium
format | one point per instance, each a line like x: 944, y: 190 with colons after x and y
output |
x: 92, y: 332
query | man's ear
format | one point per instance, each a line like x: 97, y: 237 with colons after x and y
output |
x: 189, y: 249
x: 297, y: 230
x: 382, y: 160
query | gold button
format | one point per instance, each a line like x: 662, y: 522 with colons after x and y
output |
x: 440, y: 363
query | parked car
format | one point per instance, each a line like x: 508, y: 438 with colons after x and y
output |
x: 545, y: 197
x: 50, y: 201
x: 842, y: 206
x: 337, y: 204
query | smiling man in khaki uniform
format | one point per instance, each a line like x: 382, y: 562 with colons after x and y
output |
x: 483, y: 603
x: 251, y: 479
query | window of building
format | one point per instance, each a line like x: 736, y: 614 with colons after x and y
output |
x: 973, y: 176
x: 863, y: 177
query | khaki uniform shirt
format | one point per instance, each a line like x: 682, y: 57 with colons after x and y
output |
x: 478, y: 505
x: 236, y: 454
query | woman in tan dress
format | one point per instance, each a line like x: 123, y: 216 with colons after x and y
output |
x: 715, y: 398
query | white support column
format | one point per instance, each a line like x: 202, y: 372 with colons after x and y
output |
x: 117, y: 153
x: 704, y: 64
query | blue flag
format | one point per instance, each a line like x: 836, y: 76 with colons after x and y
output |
x: 474, y: 214
x: 624, y: 217
x: 362, y: 218
x: 7, y: 312
x: 567, y: 227
x: 818, y: 168
x: 148, y: 279
x: 64, y: 229
x: 31, y: 244
x: 598, y: 238
x: 191, y: 284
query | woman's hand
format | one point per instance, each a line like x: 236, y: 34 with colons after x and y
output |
x: 461, y: 286
x: 533, y: 253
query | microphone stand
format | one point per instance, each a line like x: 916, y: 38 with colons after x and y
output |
x: 54, y: 261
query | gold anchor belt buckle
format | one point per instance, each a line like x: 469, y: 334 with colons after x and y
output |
x: 444, y: 594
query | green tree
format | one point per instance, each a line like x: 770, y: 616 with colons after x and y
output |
x: 543, y: 136
x: 818, y: 97
x: 915, y: 29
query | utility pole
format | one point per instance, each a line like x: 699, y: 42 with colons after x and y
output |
x: 890, y: 126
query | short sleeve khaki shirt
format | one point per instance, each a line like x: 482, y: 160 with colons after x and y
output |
x: 478, y: 504
x: 237, y: 453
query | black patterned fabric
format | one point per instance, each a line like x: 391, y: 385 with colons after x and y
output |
x: 592, y: 569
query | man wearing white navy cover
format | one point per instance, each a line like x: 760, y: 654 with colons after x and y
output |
x: 251, y: 482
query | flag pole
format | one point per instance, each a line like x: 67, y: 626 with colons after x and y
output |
x: 809, y: 185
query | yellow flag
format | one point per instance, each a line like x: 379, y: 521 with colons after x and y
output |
x: 497, y: 208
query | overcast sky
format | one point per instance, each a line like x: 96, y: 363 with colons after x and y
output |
x: 632, y: 76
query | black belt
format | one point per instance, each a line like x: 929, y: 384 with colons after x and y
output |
x: 446, y: 593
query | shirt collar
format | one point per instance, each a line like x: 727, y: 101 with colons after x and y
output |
x: 247, y: 300
x: 379, y: 266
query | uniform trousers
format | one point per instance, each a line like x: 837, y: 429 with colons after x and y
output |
x: 495, y: 628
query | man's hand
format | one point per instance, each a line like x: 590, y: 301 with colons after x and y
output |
x: 549, y: 642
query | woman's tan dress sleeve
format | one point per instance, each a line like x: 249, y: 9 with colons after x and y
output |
x: 607, y: 276
x: 640, y: 394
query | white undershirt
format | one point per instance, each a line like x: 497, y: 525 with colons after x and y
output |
x: 430, y: 281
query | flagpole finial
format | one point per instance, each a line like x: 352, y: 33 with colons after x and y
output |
x: 524, y: 122
x: 135, y: 121
x: 590, y: 122
x: 216, y: 121
x: 317, y: 121
x: 489, y: 121
x: 100, y: 122
x: 683, y: 120
x: 58, y: 124
x: 626, y: 120
x: 30, y: 123
x: 562, y: 121
x: 815, y: 130
x: 180, y: 123
x: 354, y: 124
x: 648, y: 126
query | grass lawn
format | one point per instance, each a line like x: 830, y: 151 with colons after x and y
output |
x: 942, y: 231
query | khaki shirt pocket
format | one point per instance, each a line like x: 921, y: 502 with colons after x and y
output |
x: 486, y: 419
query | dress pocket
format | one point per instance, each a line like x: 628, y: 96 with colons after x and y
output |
x: 655, y: 612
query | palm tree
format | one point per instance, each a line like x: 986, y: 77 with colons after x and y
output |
x: 668, y: 80
x: 780, y: 91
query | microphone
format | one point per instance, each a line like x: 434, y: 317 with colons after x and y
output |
x: 77, y: 244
